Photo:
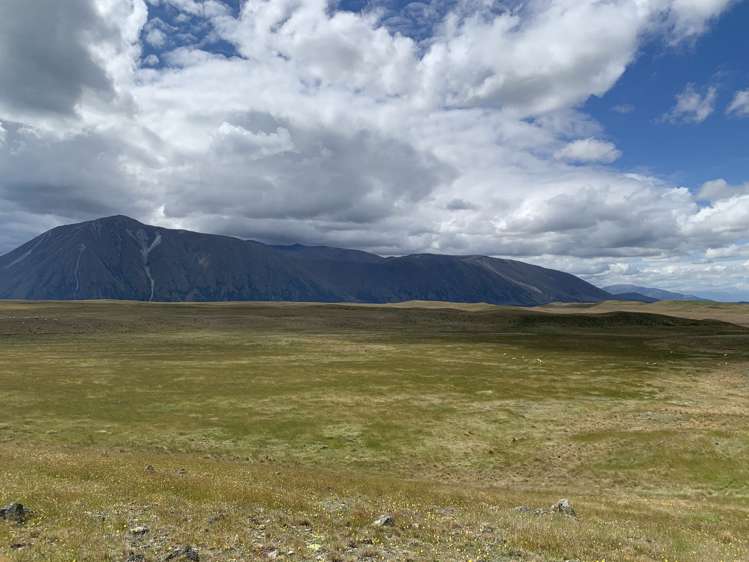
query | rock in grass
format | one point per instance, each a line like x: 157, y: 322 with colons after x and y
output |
x: 384, y: 521
x: 564, y: 507
x: 15, y: 512
x: 139, y: 531
x: 183, y: 553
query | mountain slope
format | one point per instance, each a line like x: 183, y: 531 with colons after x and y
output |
x: 120, y: 258
x: 656, y: 294
x: 634, y: 297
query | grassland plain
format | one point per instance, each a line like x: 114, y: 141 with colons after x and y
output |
x: 282, y: 431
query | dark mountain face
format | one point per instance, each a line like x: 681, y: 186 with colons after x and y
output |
x: 120, y: 258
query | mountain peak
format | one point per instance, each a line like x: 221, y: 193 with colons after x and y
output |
x: 116, y: 220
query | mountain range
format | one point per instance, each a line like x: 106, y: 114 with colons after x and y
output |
x: 650, y: 293
x: 120, y: 258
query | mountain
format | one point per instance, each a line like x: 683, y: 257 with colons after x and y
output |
x: 120, y: 258
x: 655, y: 294
x: 633, y: 297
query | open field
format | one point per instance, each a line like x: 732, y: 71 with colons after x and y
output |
x: 698, y: 310
x: 282, y: 431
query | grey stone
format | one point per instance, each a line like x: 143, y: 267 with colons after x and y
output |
x: 15, y: 512
x: 384, y: 521
x: 139, y: 531
x: 564, y: 507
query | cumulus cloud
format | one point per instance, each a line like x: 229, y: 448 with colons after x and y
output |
x: 156, y: 38
x: 151, y: 60
x: 589, y: 150
x: 264, y: 168
x: 451, y: 129
x: 724, y: 219
x: 739, y: 106
x: 692, y: 106
x: 252, y: 145
x: 715, y: 190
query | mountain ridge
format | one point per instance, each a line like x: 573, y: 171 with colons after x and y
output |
x: 650, y: 292
x: 120, y: 258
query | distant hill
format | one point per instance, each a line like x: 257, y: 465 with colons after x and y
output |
x: 120, y: 258
x: 655, y: 294
x: 634, y: 297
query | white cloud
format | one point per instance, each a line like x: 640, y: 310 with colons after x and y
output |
x: 250, y: 144
x: 156, y: 38
x: 715, y: 190
x: 589, y: 150
x: 725, y: 219
x: 692, y: 106
x: 690, y: 18
x: 731, y: 251
x: 740, y: 104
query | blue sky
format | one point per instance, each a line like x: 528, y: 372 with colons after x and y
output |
x: 689, y: 154
x: 593, y: 137
x: 185, y: 29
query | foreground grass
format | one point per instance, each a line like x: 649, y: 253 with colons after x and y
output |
x: 285, y: 430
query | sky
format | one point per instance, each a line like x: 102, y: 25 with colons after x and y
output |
x: 607, y: 138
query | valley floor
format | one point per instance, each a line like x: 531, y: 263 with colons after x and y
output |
x: 284, y: 431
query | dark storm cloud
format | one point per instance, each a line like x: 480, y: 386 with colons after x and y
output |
x: 77, y: 177
x: 45, y: 64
